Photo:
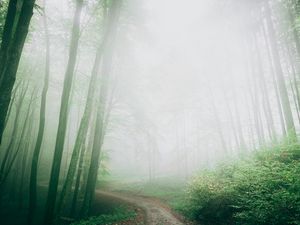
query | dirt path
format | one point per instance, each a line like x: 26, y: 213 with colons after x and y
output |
x: 156, y: 212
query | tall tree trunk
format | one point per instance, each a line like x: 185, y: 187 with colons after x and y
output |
x: 294, y: 31
x: 63, y: 117
x: 294, y: 80
x: 290, y: 127
x: 255, y: 104
x: 231, y: 120
x: 11, y: 103
x: 113, y: 17
x: 78, y: 179
x: 38, y: 144
x: 8, y: 74
x: 7, y: 34
x: 274, y: 82
x: 6, y: 171
x: 81, y: 134
x: 218, y: 122
x: 238, y: 123
x: 16, y: 125
x: 265, y: 93
x: 25, y: 157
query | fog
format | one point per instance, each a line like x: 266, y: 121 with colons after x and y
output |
x: 180, y: 78
x: 141, y: 90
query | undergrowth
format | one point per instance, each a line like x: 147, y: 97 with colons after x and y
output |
x: 120, y: 214
x: 263, y: 190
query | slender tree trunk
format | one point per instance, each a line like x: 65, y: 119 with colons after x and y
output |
x: 63, y: 117
x: 255, y: 105
x: 81, y: 134
x: 238, y: 122
x: 78, y: 179
x: 294, y: 31
x: 113, y: 17
x: 25, y: 157
x: 87, y: 157
x: 8, y: 74
x: 294, y: 80
x: 265, y: 94
x: 12, y: 103
x: 218, y: 122
x: 16, y: 125
x: 38, y: 144
x: 5, y: 173
x: 275, y: 85
x: 290, y: 127
x: 7, y: 34
x: 231, y: 120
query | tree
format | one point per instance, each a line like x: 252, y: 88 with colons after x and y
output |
x: 38, y: 144
x: 63, y: 116
x: 11, y: 50
x: 113, y: 17
x: 290, y: 127
x: 82, y: 131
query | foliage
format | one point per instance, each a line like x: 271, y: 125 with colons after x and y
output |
x: 120, y: 214
x: 261, y: 191
x: 3, y: 7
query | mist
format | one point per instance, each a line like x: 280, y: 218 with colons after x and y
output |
x: 102, y: 102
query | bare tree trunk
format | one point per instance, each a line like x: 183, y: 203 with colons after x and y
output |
x: 238, y: 123
x: 290, y: 127
x: 113, y: 17
x: 63, y: 117
x: 81, y: 134
x: 38, y: 144
x: 231, y: 120
x: 218, y: 122
x: 275, y: 85
x: 5, y: 172
x: 8, y: 74
x: 16, y: 125
x: 265, y: 94
x: 25, y: 157
x: 78, y: 179
x: 7, y: 34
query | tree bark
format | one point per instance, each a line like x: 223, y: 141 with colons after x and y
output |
x: 38, y: 144
x: 63, y: 117
x: 7, y: 34
x: 8, y: 74
x: 113, y: 17
x: 81, y: 134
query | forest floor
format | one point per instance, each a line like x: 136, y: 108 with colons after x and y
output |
x: 150, y: 210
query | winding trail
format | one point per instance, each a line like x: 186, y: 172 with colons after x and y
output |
x: 156, y: 212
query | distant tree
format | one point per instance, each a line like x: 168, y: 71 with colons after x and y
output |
x: 288, y: 116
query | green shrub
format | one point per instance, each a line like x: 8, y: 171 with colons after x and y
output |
x: 120, y: 214
x: 262, y: 191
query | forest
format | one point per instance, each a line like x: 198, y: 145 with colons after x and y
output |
x: 149, y: 112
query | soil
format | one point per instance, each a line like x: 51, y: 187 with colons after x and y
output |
x: 150, y: 211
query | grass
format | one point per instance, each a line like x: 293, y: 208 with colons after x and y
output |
x: 120, y: 214
x: 169, y: 190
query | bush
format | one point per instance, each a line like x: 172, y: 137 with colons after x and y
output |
x: 262, y: 191
x: 120, y: 214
